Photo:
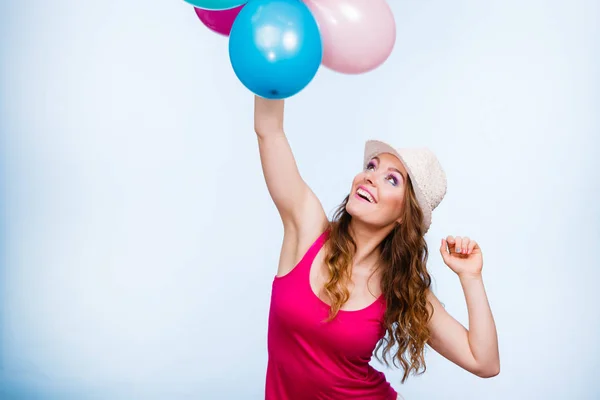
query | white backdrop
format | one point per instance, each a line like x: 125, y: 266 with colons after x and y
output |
x: 139, y: 242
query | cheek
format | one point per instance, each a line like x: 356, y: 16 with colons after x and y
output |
x: 393, y: 198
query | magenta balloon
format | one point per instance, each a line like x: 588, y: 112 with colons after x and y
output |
x: 219, y: 21
x: 358, y: 35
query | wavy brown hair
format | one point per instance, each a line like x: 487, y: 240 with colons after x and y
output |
x: 404, y: 282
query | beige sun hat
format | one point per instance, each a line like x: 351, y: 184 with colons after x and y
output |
x: 425, y: 172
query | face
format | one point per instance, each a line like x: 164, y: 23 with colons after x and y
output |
x: 377, y: 194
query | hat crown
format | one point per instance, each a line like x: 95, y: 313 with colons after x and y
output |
x: 427, y: 174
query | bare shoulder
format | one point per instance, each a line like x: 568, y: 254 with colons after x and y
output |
x: 301, y: 234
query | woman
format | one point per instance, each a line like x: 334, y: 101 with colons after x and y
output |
x: 359, y: 283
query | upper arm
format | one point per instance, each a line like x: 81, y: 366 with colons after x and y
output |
x: 293, y: 198
x: 450, y: 338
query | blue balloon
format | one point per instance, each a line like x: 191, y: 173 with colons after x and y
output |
x: 275, y: 47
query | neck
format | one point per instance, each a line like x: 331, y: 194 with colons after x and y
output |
x: 367, y: 239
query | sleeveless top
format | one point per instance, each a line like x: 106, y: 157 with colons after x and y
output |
x: 310, y: 359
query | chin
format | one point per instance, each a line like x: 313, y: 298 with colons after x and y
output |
x: 356, y: 210
x: 367, y: 216
x: 352, y: 209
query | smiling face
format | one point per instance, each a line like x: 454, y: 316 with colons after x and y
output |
x: 377, y: 194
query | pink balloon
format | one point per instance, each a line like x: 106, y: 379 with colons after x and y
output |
x: 219, y: 21
x: 358, y: 35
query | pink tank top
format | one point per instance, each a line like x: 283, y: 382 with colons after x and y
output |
x: 310, y: 359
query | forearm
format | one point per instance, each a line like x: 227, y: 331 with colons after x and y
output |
x: 483, y: 339
x: 268, y: 116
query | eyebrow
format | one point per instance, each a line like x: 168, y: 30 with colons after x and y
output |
x: 398, y: 171
x: 391, y: 168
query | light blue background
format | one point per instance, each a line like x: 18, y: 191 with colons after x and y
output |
x: 139, y: 242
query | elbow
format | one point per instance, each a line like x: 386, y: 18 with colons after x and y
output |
x: 258, y: 129
x: 489, y: 372
x: 259, y: 133
x: 264, y: 133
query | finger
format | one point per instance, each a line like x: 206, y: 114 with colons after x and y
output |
x: 444, y: 250
x: 451, y: 240
x: 458, y: 244
x: 464, y: 247
x: 472, y: 245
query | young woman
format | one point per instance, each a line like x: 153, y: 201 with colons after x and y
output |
x: 359, y: 283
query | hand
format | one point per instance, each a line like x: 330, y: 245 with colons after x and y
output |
x: 462, y: 255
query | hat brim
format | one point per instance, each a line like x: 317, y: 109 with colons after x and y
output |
x: 375, y: 147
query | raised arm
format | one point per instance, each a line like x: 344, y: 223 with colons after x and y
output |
x: 300, y: 210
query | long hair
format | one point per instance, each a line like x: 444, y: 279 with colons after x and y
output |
x: 404, y: 282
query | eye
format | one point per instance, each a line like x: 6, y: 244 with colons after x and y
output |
x: 370, y: 165
x: 392, y: 179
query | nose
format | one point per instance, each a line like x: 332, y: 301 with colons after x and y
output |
x: 369, y: 177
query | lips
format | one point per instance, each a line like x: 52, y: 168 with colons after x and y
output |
x: 365, y: 194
